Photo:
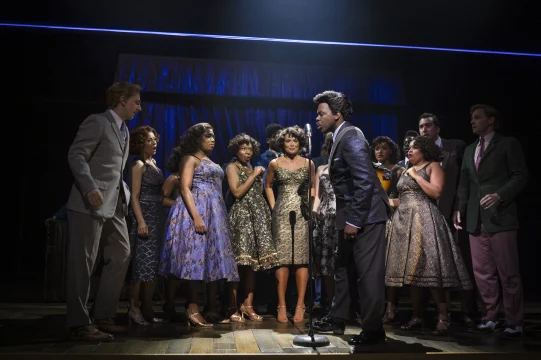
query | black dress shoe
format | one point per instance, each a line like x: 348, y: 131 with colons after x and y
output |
x: 328, y: 324
x: 368, y: 338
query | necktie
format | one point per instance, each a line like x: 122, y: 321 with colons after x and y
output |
x: 123, y: 133
x: 481, y: 152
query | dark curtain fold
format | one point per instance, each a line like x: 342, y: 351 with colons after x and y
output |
x: 242, y: 80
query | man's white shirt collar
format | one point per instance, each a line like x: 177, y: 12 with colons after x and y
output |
x: 336, y: 131
x: 117, y: 118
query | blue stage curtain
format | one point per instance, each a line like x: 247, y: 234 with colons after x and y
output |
x: 237, y: 79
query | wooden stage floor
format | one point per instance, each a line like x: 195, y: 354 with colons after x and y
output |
x: 35, y: 331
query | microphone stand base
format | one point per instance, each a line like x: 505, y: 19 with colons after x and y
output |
x: 309, y: 341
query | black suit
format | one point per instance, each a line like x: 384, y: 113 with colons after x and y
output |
x: 362, y: 202
x: 402, y: 163
x: 453, y: 153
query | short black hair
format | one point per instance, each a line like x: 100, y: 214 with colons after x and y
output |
x: 294, y: 131
x: 173, y: 162
x: 411, y: 133
x: 338, y: 103
x: 431, y: 151
x: 395, y: 150
x: 432, y: 116
x: 272, y: 129
x: 241, y: 139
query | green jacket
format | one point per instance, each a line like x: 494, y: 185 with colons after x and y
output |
x: 502, y: 171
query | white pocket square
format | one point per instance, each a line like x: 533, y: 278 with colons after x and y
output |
x: 336, y: 159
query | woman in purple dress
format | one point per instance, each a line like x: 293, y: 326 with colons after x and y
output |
x: 197, y: 243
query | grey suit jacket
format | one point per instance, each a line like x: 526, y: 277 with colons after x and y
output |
x: 97, y: 161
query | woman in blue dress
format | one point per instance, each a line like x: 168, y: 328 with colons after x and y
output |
x: 197, y: 243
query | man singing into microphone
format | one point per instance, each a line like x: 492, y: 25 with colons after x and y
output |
x: 362, y: 208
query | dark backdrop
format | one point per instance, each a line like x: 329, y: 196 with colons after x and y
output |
x: 53, y: 80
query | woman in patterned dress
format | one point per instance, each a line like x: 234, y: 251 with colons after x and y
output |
x: 198, y: 243
x: 324, y: 215
x: 171, y: 191
x: 291, y: 173
x: 147, y: 215
x: 249, y: 219
x: 421, y: 251
x: 385, y: 153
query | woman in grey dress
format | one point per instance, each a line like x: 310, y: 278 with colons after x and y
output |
x: 147, y: 217
x: 421, y: 251
x: 291, y: 173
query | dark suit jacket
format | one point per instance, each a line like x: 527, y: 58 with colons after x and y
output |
x: 360, y: 198
x: 402, y: 163
x: 453, y: 152
x: 320, y: 160
x: 503, y: 171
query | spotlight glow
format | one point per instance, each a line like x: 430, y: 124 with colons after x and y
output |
x: 278, y: 40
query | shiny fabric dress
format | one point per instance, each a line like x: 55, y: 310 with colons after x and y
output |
x: 191, y: 256
x: 287, y: 200
x: 389, y: 181
x: 250, y: 223
x: 146, y: 251
x: 325, y: 236
x: 420, y: 246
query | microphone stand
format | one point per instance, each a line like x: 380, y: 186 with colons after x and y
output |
x: 310, y: 340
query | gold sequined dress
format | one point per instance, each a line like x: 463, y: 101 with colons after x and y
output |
x: 420, y: 246
x: 287, y: 200
x: 250, y: 224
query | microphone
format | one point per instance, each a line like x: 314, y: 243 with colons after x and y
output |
x: 308, y: 132
x: 292, y: 218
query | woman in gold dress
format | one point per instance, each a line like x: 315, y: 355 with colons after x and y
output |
x: 421, y: 251
x: 291, y: 173
x: 249, y: 221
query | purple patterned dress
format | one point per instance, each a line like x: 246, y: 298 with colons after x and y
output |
x: 191, y: 256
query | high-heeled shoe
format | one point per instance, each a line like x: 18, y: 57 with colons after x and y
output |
x: 235, y: 317
x: 244, y: 310
x: 413, y: 324
x: 193, y: 321
x: 278, y: 315
x: 439, y: 331
x: 387, y: 319
x: 303, y: 309
x: 150, y: 317
x: 136, y: 317
x: 213, y: 316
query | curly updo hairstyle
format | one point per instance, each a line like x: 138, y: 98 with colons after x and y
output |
x: 431, y: 151
x: 395, y: 150
x: 338, y: 103
x: 191, y: 140
x: 173, y: 161
x: 325, y: 148
x: 138, y: 137
x: 242, y: 139
x: 294, y: 131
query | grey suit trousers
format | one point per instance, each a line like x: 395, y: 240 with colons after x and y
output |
x: 87, y: 234
x: 367, y: 251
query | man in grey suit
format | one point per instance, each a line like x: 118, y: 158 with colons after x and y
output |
x: 362, y: 210
x: 97, y: 207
